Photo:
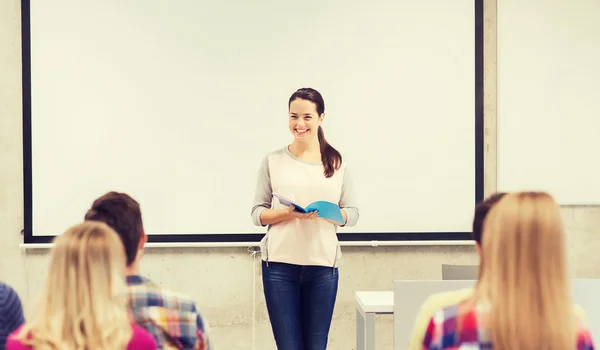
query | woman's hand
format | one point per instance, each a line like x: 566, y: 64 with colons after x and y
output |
x: 274, y: 216
x: 293, y: 214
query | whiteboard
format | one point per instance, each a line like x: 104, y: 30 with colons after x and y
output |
x: 549, y: 98
x: 176, y: 103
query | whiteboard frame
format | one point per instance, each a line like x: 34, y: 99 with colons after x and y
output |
x: 236, y: 240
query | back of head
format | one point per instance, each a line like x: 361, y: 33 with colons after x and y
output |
x: 83, y: 304
x: 122, y: 213
x: 481, y: 211
x: 524, y: 274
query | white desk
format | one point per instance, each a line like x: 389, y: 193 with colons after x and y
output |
x: 369, y: 304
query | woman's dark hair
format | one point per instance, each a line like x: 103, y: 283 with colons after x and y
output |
x: 331, y: 158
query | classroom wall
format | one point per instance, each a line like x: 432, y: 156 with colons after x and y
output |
x: 225, y: 281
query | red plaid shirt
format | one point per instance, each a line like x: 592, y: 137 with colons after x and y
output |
x: 172, y: 318
x: 457, y: 327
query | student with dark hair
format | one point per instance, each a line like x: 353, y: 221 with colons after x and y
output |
x: 300, y: 251
x: 442, y: 300
x: 170, y: 317
x: 11, y: 312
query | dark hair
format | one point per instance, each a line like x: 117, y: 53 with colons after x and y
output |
x: 331, y: 158
x: 481, y: 211
x: 122, y: 213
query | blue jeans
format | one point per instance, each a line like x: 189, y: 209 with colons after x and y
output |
x: 300, y: 301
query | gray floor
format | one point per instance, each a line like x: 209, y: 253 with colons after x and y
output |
x: 342, y: 335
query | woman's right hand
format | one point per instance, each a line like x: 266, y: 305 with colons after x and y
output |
x: 293, y: 214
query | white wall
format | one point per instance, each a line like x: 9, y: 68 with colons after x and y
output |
x: 547, y: 76
x: 223, y: 280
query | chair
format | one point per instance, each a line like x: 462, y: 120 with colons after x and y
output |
x: 585, y: 294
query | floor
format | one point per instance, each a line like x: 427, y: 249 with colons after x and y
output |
x: 342, y: 335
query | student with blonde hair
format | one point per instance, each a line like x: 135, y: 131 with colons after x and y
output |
x: 83, y: 304
x: 440, y: 300
x: 523, y: 298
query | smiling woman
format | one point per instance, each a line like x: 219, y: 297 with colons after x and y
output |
x: 307, y: 110
x: 300, y: 251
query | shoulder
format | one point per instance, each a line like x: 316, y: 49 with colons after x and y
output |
x: 7, y: 294
x: 11, y: 310
x: 151, y: 294
x: 580, y: 314
x: 5, y: 288
x: 445, y: 299
x: 274, y: 153
x: 14, y: 344
x: 428, y: 309
x: 271, y: 157
x: 584, y: 338
x: 444, y: 328
x: 12, y: 341
x: 343, y: 171
x: 142, y: 339
x: 178, y: 300
x: 343, y: 166
x: 346, y: 167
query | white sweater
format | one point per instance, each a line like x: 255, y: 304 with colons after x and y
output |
x: 300, y: 241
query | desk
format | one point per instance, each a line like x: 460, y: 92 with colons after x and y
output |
x: 369, y: 304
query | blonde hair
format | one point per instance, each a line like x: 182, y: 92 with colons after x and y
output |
x: 83, y: 304
x: 524, y: 277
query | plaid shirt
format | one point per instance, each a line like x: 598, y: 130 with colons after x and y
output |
x: 170, y: 317
x: 456, y: 327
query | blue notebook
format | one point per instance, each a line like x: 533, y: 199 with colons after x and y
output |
x: 327, y: 210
